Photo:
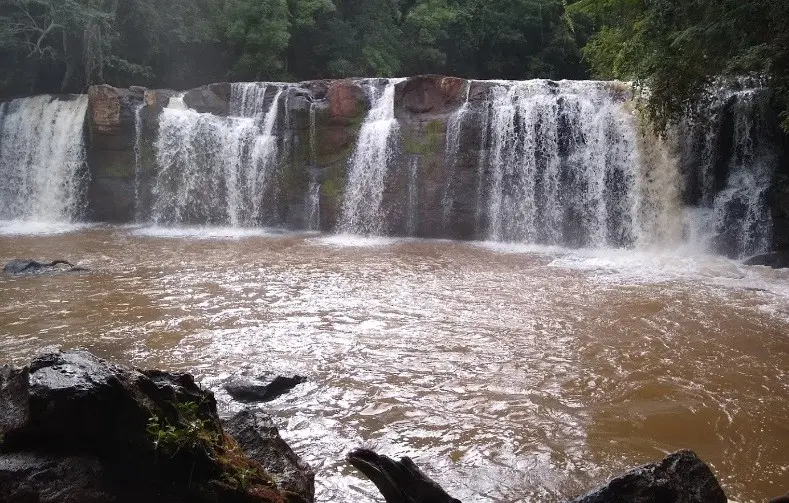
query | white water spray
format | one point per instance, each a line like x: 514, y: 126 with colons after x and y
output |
x: 42, y: 159
x: 563, y: 165
x: 736, y: 219
x: 368, y: 166
x: 216, y: 170
x: 454, y: 128
x: 413, y: 196
x: 137, y: 158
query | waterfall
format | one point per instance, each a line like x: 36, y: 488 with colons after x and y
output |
x: 454, y: 128
x: 313, y: 205
x: 563, y: 165
x: 413, y: 196
x: 368, y: 166
x: 481, y: 159
x: 42, y: 158
x: 217, y: 170
x: 313, y: 135
x: 137, y: 158
x: 731, y: 214
x: 313, y: 198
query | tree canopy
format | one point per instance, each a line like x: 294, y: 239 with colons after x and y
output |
x: 676, y: 47
x: 679, y: 47
x: 65, y: 45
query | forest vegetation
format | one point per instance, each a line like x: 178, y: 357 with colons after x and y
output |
x: 675, y: 47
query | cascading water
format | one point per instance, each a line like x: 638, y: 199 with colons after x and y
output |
x: 734, y: 165
x: 413, y: 196
x: 480, y: 187
x: 42, y: 159
x: 454, y: 128
x: 137, y: 157
x: 563, y: 165
x: 313, y: 205
x: 368, y: 166
x: 216, y: 170
x: 313, y: 197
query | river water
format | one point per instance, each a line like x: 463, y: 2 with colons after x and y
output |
x: 509, y: 373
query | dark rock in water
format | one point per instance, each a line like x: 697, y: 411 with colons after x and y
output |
x: 96, y: 432
x: 214, y: 98
x: 257, y: 435
x: 680, y: 478
x: 780, y: 499
x: 776, y: 260
x: 14, y: 402
x: 262, y: 389
x: 399, y: 481
x: 22, y: 266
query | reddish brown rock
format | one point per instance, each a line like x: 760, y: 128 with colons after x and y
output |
x: 104, y: 110
x: 346, y: 100
x: 429, y: 95
x: 110, y: 155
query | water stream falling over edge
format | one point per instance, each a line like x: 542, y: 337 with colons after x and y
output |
x: 42, y: 159
x: 368, y: 165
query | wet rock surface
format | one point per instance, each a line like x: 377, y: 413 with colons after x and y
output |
x: 776, y: 260
x: 44, y: 478
x: 257, y: 435
x: 110, y: 153
x: 97, y: 432
x: 27, y: 266
x: 680, y: 478
x: 429, y: 94
x: 214, y: 98
x: 14, y: 404
x: 261, y: 389
x: 398, y: 481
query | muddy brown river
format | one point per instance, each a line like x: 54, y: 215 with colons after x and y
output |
x: 509, y: 373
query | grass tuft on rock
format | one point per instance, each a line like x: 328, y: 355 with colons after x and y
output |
x: 195, y: 437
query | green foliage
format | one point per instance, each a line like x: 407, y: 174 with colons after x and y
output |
x: 257, y: 30
x: 495, y: 38
x: 194, y: 436
x: 190, y: 433
x: 66, y: 45
x: 679, y: 48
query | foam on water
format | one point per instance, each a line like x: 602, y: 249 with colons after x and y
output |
x: 208, y: 232
x: 37, y: 228
x: 355, y: 240
x: 623, y: 267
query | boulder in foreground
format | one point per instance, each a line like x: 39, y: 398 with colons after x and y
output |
x: 680, y: 478
x: 87, y: 431
x: 259, y: 438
